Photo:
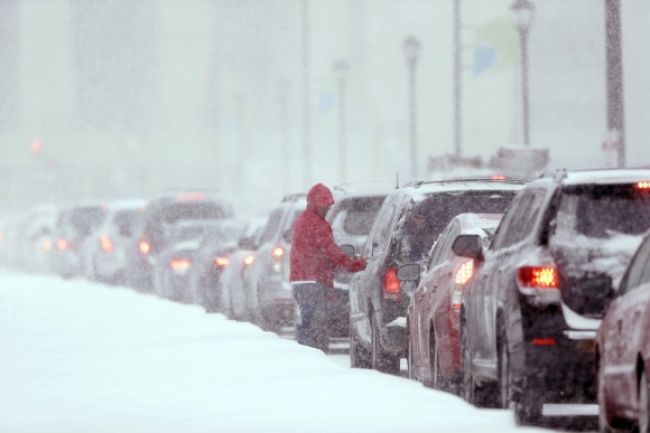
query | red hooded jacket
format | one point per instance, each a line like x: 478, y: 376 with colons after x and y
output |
x: 314, y: 254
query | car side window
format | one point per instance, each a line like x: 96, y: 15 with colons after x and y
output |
x: 272, y: 226
x: 380, y: 242
x: 523, y: 221
x: 507, y: 220
x: 437, y: 249
x: 382, y: 220
x: 639, y: 272
x: 446, y: 252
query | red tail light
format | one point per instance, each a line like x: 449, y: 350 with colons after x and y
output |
x: 47, y: 245
x: 277, y: 253
x: 248, y: 260
x: 549, y: 341
x: 538, y: 277
x: 62, y: 245
x: 179, y: 264
x: 392, y: 287
x: 106, y: 244
x: 498, y: 177
x: 221, y: 262
x: 144, y: 247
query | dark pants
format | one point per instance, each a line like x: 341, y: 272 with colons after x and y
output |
x: 312, y: 327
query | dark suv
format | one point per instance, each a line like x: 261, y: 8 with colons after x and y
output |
x: 529, y: 317
x: 154, y: 234
x: 408, y: 223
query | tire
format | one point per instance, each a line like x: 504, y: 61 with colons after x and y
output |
x: 409, y: 356
x: 603, y: 423
x: 359, y: 358
x: 382, y: 361
x: 644, y: 404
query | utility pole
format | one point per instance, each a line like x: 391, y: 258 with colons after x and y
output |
x: 458, y: 81
x: 615, y: 101
x: 306, y: 127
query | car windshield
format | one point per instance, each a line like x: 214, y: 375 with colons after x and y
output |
x: 421, y: 225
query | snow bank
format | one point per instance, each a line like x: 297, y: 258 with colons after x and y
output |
x: 86, y: 358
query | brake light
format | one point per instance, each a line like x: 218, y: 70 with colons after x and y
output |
x: 221, y: 262
x: 392, y: 287
x: 538, y: 277
x: 62, y: 245
x: 498, y: 177
x: 549, y: 341
x: 464, y: 273
x: 47, y: 245
x: 144, y: 247
x: 179, y: 264
x: 248, y: 260
x: 192, y: 196
x: 106, y: 244
x: 277, y: 253
x: 643, y: 185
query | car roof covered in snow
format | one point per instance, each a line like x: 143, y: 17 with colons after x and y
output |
x: 607, y: 176
x: 421, y: 190
x: 363, y: 189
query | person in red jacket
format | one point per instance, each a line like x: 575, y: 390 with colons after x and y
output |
x: 314, y: 258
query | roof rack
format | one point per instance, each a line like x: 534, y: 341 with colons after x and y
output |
x: 470, y: 179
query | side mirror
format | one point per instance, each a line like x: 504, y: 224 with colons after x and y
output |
x: 409, y: 272
x: 470, y: 246
x: 348, y: 250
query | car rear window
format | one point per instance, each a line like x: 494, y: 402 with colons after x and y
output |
x: 421, y: 225
x: 84, y: 220
x: 360, y: 214
x: 191, y: 211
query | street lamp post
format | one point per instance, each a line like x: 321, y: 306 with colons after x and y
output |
x: 524, y: 12
x: 341, y: 69
x: 412, y: 52
x: 284, y: 89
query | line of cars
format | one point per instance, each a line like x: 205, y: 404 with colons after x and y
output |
x: 520, y: 296
x: 509, y: 294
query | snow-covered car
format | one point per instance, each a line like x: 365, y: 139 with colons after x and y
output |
x: 233, y: 276
x: 173, y: 265
x: 74, y: 224
x: 409, y: 222
x: 34, y: 233
x: 351, y: 218
x: 108, y: 251
x: 530, y: 314
x: 269, y: 297
x: 211, y: 259
x: 623, y: 351
x: 433, y: 315
x: 159, y: 215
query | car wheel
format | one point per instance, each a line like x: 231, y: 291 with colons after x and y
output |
x: 410, y: 364
x: 603, y: 423
x: 644, y: 404
x: 381, y: 361
x: 358, y: 356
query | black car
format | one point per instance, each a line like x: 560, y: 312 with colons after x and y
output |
x: 153, y: 235
x: 409, y: 222
x: 529, y: 316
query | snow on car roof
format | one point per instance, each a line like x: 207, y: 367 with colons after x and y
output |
x: 606, y: 176
x: 369, y: 188
x: 420, y: 191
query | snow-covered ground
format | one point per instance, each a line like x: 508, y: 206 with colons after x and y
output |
x: 83, y: 357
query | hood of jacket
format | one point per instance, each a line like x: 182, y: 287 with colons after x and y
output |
x: 319, y: 197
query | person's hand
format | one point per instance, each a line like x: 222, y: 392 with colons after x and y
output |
x: 359, y: 265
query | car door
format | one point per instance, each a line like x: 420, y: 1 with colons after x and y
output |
x: 420, y: 328
x: 623, y: 339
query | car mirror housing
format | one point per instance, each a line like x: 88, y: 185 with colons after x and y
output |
x: 470, y: 246
x: 409, y: 272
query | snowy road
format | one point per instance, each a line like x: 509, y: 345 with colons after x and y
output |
x: 83, y: 357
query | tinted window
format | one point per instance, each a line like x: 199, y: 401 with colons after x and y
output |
x: 360, y: 214
x: 524, y: 218
x: 424, y: 221
x: 599, y: 211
